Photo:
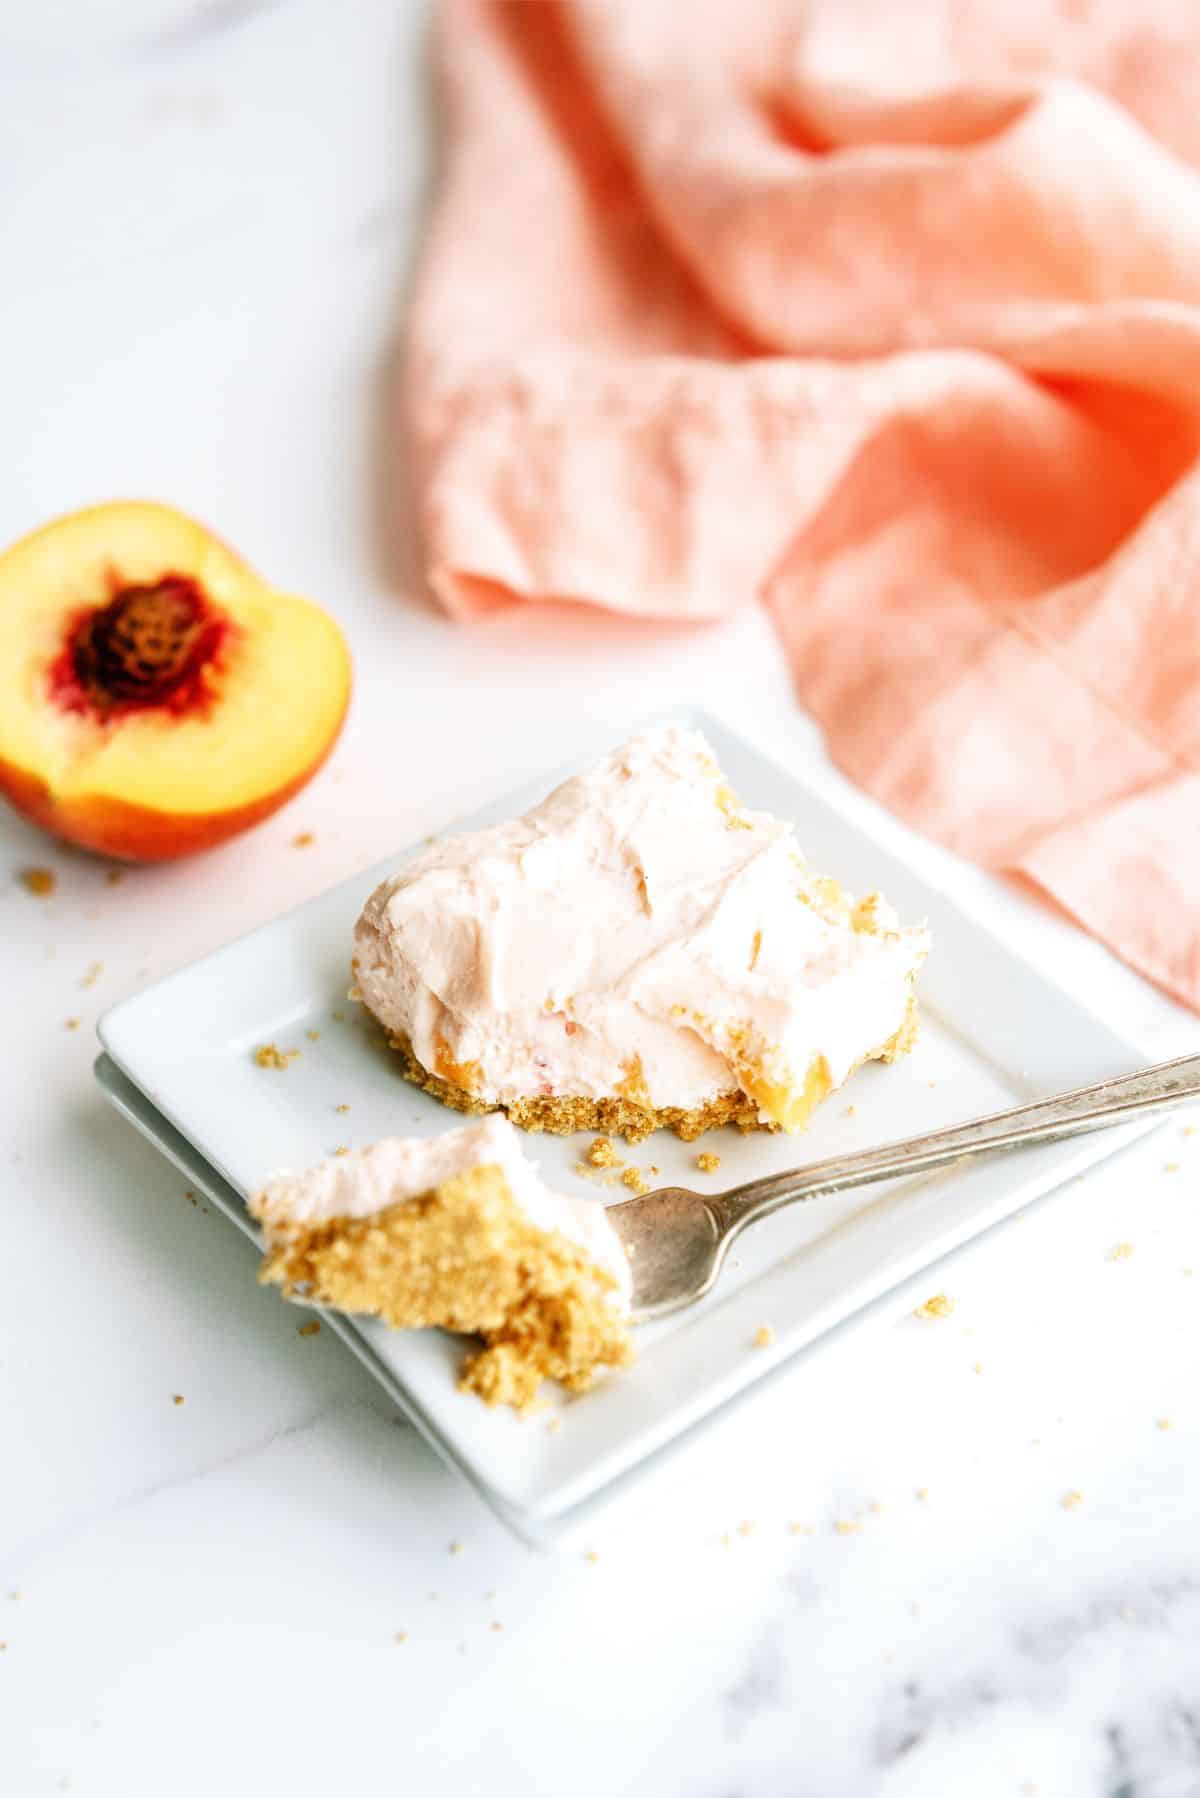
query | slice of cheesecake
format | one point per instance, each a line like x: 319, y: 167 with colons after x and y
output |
x: 456, y: 1231
x: 636, y: 951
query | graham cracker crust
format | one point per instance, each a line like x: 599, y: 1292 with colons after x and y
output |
x: 464, y: 1257
x: 621, y: 1117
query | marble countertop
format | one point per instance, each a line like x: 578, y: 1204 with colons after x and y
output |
x: 208, y: 211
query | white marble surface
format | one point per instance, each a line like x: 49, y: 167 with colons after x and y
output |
x: 207, y: 209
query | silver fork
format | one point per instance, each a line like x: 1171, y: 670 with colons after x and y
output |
x: 677, y: 1240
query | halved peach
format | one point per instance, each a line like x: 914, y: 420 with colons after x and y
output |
x: 156, y: 696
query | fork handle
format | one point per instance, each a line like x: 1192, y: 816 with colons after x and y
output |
x: 1154, y: 1089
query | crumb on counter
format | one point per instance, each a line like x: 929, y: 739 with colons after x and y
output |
x: 114, y: 877
x: 922, y: 1493
x: 747, y: 1528
x: 311, y: 1328
x: 401, y: 1635
x: 937, y: 1306
x: 1172, y: 1167
x: 496, y: 1627
x: 1120, y: 1251
x: 339, y: 1017
x: 764, y: 1336
x: 978, y: 1367
x: 304, y: 840
x: 93, y: 974
x: 801, y: 1529
x: 314, y: 1036
x: 72, y: 1024
x: 851, y: 1111
x: 268, y: 1056
x: 847, y: 1526
x: 342, y: 1149
x: 591, y: 1555
x: 456, y: 1548
x: 341, y: 1110
x: 177, y: 1398
x: 635, y: 1180
x: 41, y: 882
x: 1162, y: 1423
x: 1071, y: 1499
x: 708, y: 1163
x: 602, y: 1153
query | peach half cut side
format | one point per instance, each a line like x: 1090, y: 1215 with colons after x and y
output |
x: 156, y: 696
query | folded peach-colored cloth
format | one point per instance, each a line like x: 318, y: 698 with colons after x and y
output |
x: 885, y: 314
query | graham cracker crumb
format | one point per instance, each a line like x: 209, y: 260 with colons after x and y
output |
x: 847, y: 1526
x: 1162, y: 1423
x: 401, y: 1635
x: 725, y: 1540
x: 177, y: 1398
x: 465, y: 1257
x: 341, y: 1110
x: 41, y: 882
x: 764, y: 1336
x: 342, y: 1149
x: 978, y: 1368
x: 937, y: 1306
x: 708, y: 1163
x: 922, y: 1493
x: 602, y: 1153
x: 456, y: 1548
x: 635, y: 1180
x: 305, y: 840
x: 801, y: 1529
x: 876, y: 1507
x: 1120, y: 1251
x: 339, y: 1017
x: 850, y: 1111
x: 311, y: 1328
x: 554, y: 1426
x: 1190, y: 1129
x: 72, y: 1024
x: 114, y: 877
x: 747, y: 1529
x: 496, y: 1627
x: 1071, y: 1499
x: 755, y: 950
x: 268, y: 1056
x: 1172, y: 1167
x: 93, y: 974
x: 314, y: 1036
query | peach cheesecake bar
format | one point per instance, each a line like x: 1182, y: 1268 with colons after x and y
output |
x: 456, y: 1231
x: 636, y: 951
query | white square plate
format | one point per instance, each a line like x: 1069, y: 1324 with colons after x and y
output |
x: 994, y: 1033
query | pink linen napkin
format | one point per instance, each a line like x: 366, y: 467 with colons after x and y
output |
x: 889, y: 315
